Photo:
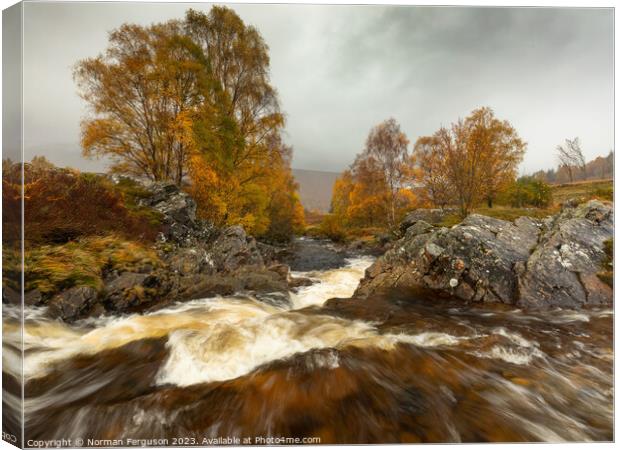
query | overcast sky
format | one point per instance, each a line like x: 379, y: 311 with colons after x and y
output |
x: 339, y: 70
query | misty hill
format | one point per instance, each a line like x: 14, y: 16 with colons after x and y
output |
x: 315, y: 188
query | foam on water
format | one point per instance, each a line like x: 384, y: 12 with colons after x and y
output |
x: 335, y: 283
x: 223, y: 338
x: 210, y: 339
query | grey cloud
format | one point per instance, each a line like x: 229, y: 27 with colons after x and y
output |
x: 339, y: 70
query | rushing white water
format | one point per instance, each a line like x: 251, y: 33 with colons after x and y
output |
x: 218, y: 338
x: 334, y: 283
x: 223, y: 338
x: 542, y: 376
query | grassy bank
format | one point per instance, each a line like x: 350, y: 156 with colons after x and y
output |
x: 583, y: 190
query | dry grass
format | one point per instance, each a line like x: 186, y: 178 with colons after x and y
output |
x: 583, y: 191
x: 52, y: 268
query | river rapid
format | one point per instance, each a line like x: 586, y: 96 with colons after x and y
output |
x: 386, y: 369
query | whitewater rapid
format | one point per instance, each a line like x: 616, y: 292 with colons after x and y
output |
x: 491, y: 374
x: 209, y: 339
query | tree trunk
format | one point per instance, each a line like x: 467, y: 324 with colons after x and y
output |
x: 490, y: 202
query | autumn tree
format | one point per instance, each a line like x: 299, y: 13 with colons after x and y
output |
x: 190, y: 101
x: 386, y: 146
x: 571, y: 157
x: 377, y: 186
x: 149, y: 80
x: 500, y: 147
x: 432, y: 174
x: 370, y: 197
x: 247, y: 176
x: 239, y: 59
x: 475, y: 157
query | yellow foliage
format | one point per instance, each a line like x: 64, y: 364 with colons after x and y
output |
x: 52, y: 268
x: 190, y: 100
x: 376, y: 190
x: 471, y: 161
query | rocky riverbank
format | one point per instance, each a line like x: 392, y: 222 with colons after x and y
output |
x: 194, y: 260
x: 528, y: 263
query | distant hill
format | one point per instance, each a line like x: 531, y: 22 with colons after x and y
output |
x: 315, y: 188
x: 600, y: 168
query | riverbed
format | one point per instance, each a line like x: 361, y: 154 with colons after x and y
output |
x: 337, y: 371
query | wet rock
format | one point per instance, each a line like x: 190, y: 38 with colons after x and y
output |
x: 562, y: 270
x: 533, y: 264
x: 33, y: 298
x: 73, y: 303
x: 10, y: 296
x: 282, y: 270
x: 278, y: 299
x: 247, y: 279
x: 305, y: 255
x: 297, y: 282
x: 270, y: 253
x: 204, y: 286
x: 262, y: 281
x: 234, y: 248
x: 131, y: 289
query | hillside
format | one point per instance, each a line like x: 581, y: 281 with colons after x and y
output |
x: 315, y: 188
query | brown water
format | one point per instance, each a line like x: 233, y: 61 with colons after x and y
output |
x: 386, y: 369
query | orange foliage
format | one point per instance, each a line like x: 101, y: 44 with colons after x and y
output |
x: 472, y: 160
x: 376, y: 190
x: 192, y: 99
x: 63, y: 204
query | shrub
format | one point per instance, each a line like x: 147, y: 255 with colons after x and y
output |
x: 332, y: 228
x: 61, y: 205
x: 529, y: 191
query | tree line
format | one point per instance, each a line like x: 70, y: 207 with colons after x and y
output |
x: 190, y: 102
x: 471, y: 161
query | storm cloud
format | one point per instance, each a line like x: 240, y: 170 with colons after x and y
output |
x: 339, y: 70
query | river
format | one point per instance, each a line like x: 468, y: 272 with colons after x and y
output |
x: 348, y: 371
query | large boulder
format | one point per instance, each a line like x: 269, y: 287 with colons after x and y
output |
x: 131, y: 289
x: 246, y: 279
x: 234, y: 248
x: 10, y: 296
x: 178, y: 211
x: 305, y: 255
x: 472, y: 261
x: 529, y: 263
x: 562, y: 270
